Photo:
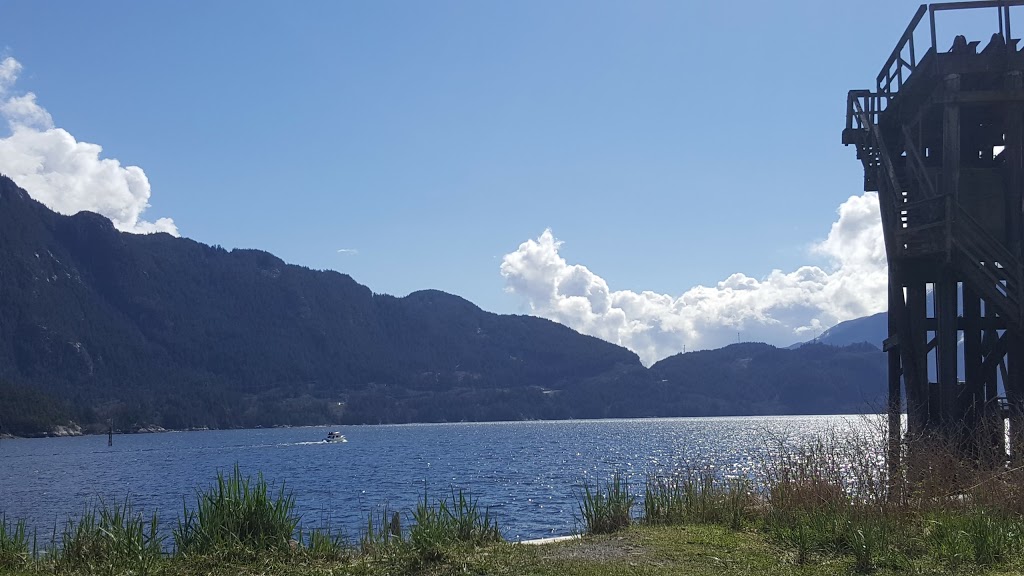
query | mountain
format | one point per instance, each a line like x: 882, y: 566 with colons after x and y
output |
x: 754, y: 378
x: 871, y: 329
x: 152, y: 330
x: 157, y: 329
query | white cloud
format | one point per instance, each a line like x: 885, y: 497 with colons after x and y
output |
x: 348, y: 251
x: 9, y: 69
x: 66, y: 175
x: 780, y: 308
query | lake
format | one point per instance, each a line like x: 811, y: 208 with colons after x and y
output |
x: 528, y: 473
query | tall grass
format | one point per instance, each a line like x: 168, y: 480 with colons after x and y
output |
x: 992, y: 537
x: 237, y: 517
x: 607, y: 507
x: 15, y: 548
x: 441, y: 526
x: 697, y: 497
x: 323, y: 544
x: 955, y: 510
x: 834, y: 495
x: 381, y: 531
x: 988, y: 537
x: 240, y: 520
x: 110, y: 540
x: 870, y: 539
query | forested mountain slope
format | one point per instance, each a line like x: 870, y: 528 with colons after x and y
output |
x: 157, y: 330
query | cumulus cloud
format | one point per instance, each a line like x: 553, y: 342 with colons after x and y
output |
x: 66, y: 175
x: 780, y: 308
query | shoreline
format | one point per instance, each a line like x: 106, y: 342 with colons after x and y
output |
x: 153, y: 429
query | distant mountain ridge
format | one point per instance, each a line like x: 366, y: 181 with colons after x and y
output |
x: 871, y: 329
x: 160, y: 331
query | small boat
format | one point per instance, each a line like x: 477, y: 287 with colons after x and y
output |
x: 334, y: 436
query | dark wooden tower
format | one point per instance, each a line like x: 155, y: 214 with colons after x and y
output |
x: 941, y: 141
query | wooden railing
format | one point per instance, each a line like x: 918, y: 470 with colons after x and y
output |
x: 893, y: 70
x: 925, y: 212
x: 880, y: 153
x: 863, y: 108
x: 903, y: 60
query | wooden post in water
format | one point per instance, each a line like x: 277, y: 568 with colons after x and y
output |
x: 110, y: 432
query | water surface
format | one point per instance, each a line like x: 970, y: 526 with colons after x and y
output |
x: 526, y: 472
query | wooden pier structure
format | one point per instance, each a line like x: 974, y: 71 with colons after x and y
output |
x: 941, y: 139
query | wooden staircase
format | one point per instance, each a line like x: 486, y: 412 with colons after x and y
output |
x: 935, y: 226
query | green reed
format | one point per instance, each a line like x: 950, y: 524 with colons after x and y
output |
x: 697, y: 497
x: 606, y: 508
x: 236, y: 517
x: 109, y: 539
x: 438, y: 527
x: 16, y: 549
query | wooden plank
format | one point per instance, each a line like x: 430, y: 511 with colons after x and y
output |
x: 983, y: 323
x: 981, y: 97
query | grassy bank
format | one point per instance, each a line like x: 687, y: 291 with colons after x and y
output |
x: 683, y: 550
x: 826, y: 507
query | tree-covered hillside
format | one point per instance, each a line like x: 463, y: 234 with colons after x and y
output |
x: 157, y: 330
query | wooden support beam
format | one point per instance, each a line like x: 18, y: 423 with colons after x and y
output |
x: 973, y: 403
x: 982, y: 97
x: 1014, y: 384
x: 1014, y: 167
x: 945, y: 297
x: 895, y: 400
x: 950, y: 185
x: 1014, y: 378
x: 993, y: 352
x: 914, y: 354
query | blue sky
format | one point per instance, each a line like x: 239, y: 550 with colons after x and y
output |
x: 668, y: 145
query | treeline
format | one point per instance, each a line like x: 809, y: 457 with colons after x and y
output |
x: 28, y: 412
